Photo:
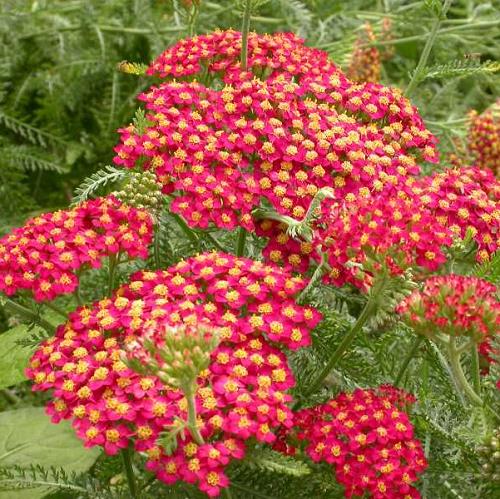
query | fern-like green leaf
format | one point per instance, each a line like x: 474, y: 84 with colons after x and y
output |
x: 97, y: 181
x: 270, y: 460
x: 27, y: 131
x: 489, y: 270
x: 460, y: 68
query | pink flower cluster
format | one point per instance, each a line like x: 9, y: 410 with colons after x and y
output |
x: 462, y: 199
x: 369, y: 441
x: 299, y: 127
x: 392, y: 229
x: 396, y: 230
x: 219, y: 54
x: 455, y: 305
x: 242, y: 394
x: 44, y: 255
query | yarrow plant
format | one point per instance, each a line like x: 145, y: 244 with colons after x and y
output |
x: 450, y: 308
x: 47, y: 253
x: 290, y: 125
x: 240, y: 394
x: 194, y: 370
x: 368, y: 439
x: 465, y: 199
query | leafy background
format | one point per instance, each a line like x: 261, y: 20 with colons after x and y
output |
x: 61, y: 100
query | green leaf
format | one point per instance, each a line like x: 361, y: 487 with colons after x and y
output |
x: 27, y: 437
x: 14, y: 357
x: 96, y: 181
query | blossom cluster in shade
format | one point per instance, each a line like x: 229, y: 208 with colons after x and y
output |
x: 242, y: 394
x: 45, y: 254
x: 289, y: 126
x: 368, y: 439
x: 454, y: 305
x: 484, y: 138
x: 365, y: 63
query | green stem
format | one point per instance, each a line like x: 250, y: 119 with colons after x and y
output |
x: 78, y: 298
x: 186, y: 229
x: 245, y: 27
x: 56, y: 309
x: 28, y: 314
x: 156, y: 247
x: 366, y: 313
x: 112, y: 272
x: 193, y: 16
x: 459, y: 376
x: 193, y: 427
x: 411, y: 354
x: 214, y: 242
x: 318, y: 273
x: 240, y: 242
x: 476, y: 373
x: 129, y: 471
x: 10, y: 396
x: 415, y: 79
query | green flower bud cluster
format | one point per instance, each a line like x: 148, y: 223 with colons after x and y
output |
x: 489, y: 455
x: 177, y: 356
x: 142, y: 190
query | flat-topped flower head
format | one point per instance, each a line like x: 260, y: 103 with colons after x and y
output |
x: 454, y: 305
x: 219, y: 53
x: 281, y: 132
x: 241, y: 393
x: 465, y: 199
x: 45, y: 254
x: 368, y: 439
x: 395, y: 231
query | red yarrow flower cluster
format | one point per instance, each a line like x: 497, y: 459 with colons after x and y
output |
x: 465, y: 199
x: 396, y: 231
x: 219, y: 53
x: 242, y: 394
x: 45, y: 254
x: 455, y: 305
x: 298, y: 126
x: 484, y: 138
x: 368, y: 439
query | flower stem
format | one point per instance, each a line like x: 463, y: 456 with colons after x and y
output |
x: 186, y: 229
x: 56, y: 309
x: 245, y: 27
x: 366, y: 313
x: 459, y: 376
x: 476, y: 374
x: 214, y: 241
x: 415, y: 79
x: 193, y: 427
x: 78, y: 298
x: 10, y: 396
x: 413, y: 350
x: 317, y: 274
x: 26, y: 313
x: 112, y: 272
x: 129, y: 471
x: 156, y: 247
x: 240, y: 242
